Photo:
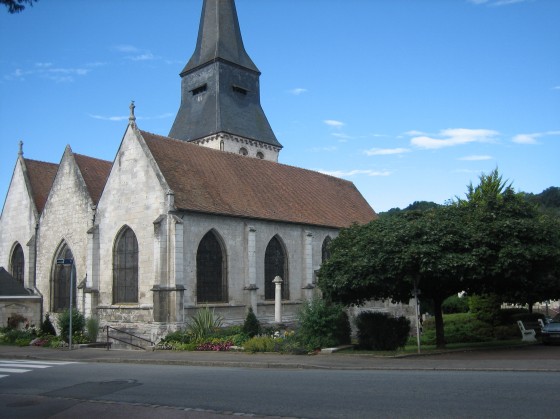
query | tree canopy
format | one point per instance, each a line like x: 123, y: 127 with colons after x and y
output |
x: 492, y: 241
x: 16, y: 6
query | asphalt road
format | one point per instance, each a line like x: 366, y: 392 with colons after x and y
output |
x: 49, y: 389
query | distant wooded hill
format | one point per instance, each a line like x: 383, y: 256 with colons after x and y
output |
x: 548, y: 201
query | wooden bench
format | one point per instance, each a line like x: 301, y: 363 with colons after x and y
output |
x: 527, y: 335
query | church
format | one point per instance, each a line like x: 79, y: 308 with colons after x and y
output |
x: 203, y: 217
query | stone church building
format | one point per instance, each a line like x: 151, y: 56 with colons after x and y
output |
x: 205, y: 216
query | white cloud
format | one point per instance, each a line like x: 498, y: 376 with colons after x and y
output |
x: 556, y: 88
x: 334, y: 123
x: 386, y: 151
x: 532, y: 138
x: 454, y: 137
x: 125, y: 48
x: 414, y: 133
x: 135, y: 53
x: 109, y: 118
x: 48, y: 71
x: 146, y: 56
x: 341, y: 136
x: 475, y: 158
x: 297, y: 91
x: 350, y: 173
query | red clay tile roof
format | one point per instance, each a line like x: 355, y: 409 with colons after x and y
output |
x: 95, y: 173
x: 216, y: 182
x: 41, y: 176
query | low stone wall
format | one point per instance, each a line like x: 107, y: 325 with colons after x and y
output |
x: 28, y: 307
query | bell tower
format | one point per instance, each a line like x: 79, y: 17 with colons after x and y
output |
x: 220, y: 92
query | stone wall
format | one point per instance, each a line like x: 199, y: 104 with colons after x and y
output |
x: 17, y: 224
x: 66, y: 218
x: 134, y: 197
x: 29, y: 307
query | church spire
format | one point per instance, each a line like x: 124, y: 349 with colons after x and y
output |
x: 219, y: 37
x: 220, y: 90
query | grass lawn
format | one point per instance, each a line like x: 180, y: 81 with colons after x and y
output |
x: 412, y: 349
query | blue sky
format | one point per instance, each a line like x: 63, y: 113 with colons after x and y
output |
x: 409, y: 99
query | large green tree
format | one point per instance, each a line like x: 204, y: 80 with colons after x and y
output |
x: 494, y: 241
x: 517, y: 246
x: 390, y: 257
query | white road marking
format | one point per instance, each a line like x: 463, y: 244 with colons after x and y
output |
x: 22, y: 366
x: 14, y: 370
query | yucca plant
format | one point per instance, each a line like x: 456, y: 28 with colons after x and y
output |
x: 204, y: 323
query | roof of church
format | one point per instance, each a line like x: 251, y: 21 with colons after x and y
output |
x: 95, y: 173
x: 217, y: 182
x: 41, y: 176
x: 219, y: 37
x: 11, y: 286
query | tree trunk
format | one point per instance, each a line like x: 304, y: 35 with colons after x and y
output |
x: 530, y: 307
x: 438, y: 315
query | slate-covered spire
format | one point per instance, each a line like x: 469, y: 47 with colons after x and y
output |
x: 220, y: 91
x: 219, y: 37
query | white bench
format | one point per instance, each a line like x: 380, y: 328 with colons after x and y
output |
x: 527, y: 335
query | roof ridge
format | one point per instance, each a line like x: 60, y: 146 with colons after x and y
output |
x: 212, y: 150
x: 40, y: 161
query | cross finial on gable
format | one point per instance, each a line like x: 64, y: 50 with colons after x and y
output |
x: 132, y: 118
x: 20, y: 152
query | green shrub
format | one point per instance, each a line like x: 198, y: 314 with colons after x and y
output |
x: 506, y: 332
x: 455, y: 304
x: 379, y: 331
x: 180, y: 336
x: 92, y: 328
x: 260, y: 344
x: 47, y: 328
x: 251, y: 326
x: 459, y: 328
x: 506, y: 314
x: 486, y: 308
x: 78, y: 323
x: 322, y: 324
x: 528, y: 317
x: 17, y: 337
x: 204, y: 323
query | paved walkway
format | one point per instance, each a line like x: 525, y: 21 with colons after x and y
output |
x: 520, y: 358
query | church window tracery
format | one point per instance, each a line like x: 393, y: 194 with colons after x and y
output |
x: 325, y: 251
x: 125, y: 268
x: 275, y: 264
x: 17, y: 263
x: 211, y: 283
x: 63, y: 276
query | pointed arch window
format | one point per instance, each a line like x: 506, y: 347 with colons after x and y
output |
x: 63, y: 277
x: 125, y: 268
x: 325, y: 251
x: 275, y: 264
x: 211, y: 284
x: 17, y: 263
